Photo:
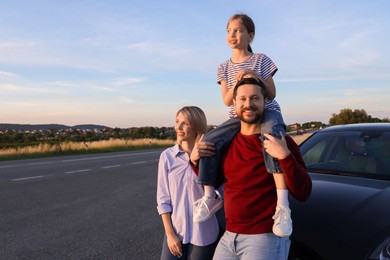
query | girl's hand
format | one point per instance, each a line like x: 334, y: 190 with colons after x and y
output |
x: 247, y: 74
x: 174, y: 245
x: 201, y: 149
x: 275, y: 147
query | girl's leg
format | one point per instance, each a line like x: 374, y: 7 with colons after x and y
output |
x: 273, y: 123
x: 282, y: 219
x: 209, y: 169
x: 221, y: 136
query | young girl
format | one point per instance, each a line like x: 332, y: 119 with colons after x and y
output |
x: 240, y: 33
x: 177, y: 190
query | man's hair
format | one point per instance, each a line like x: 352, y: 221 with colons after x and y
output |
x: 252, y: 81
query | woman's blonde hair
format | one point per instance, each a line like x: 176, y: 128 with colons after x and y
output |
x: 196, y: 117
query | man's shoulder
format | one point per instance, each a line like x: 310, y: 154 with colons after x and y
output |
x: 291, y: 144
x: 289, y: 139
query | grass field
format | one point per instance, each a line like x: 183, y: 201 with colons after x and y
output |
x: 68, y: 148
x: 112, y: 145
x: 300, y: 138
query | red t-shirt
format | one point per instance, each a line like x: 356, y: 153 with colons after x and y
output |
x: 250, y: 191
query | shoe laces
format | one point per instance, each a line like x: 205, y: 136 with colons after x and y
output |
x: 201, y: 204
x: 281, y: 214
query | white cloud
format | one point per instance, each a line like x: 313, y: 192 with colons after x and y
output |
x: 126, y: 100
x: 128, y: 81
x: 5, y: 75
x: 28, y: 89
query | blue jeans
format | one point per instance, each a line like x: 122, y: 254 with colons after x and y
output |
x: 266, y: 246
x: 209, y: 167
x: 189, y: 251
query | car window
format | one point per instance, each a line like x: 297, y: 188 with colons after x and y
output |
x: 353, y: 152
x: 313, y: 155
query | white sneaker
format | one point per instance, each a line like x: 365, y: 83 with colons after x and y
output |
x: 205, y: 208
x: 282, y: 222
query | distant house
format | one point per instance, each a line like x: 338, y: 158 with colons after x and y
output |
x: 293, y: 127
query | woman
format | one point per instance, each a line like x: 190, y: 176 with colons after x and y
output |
x: 177, y: 191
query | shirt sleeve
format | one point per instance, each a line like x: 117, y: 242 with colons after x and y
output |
x: 221, y: 74
x: 268, y: 67
x: 295, y: 173
x: 163, y: 194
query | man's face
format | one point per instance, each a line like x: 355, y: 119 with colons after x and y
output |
x: 249, y: 103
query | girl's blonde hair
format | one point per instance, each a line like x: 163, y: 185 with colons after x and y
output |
x: 195, y: 117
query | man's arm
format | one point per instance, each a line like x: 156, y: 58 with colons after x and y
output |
x: 297, y: 179
x: 294, y: 170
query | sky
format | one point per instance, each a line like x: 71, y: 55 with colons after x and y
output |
x: 135, y: 63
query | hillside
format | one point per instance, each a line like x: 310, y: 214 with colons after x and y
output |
x: 25, y: 127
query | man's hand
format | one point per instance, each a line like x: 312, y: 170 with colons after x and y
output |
x: 201, y: 149
x: 275, y: 147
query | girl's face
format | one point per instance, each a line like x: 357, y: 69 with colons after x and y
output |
x: 184, y: 130
x: 237, y: 35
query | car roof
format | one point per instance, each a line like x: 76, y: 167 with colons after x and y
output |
x: 358, y: 127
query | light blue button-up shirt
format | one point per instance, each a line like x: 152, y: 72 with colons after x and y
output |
x: 177, y: 191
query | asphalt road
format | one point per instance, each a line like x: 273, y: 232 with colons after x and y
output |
x: 81, y: 207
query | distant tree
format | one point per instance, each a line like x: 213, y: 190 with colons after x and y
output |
x: 116, y: 132
x: 347, y: 116
x: 30, y: 138
x: 17, y: 138
x: 312, y: 124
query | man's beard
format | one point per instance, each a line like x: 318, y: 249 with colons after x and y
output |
x: 257, y: 119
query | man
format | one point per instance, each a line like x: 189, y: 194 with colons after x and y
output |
x: 250, y: 192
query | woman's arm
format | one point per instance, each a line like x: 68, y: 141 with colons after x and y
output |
x: 174, y: 244
x: 201, y: 149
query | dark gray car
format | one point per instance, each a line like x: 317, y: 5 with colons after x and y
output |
x: 348, y: 213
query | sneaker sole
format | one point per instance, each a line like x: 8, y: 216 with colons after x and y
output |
x: 280, y: 234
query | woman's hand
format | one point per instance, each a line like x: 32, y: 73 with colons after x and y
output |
x: 174, y: 245
x: 201, y: 149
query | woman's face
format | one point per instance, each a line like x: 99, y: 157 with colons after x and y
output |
x: 237, y: 35
x: 184, y: 130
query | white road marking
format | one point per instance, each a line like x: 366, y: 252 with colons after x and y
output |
x: 39, y: 163
x: 137, y: 163
x: 77, y: 171
x: 27, y: 178
x: 111, y: 166
x: 103, y: 157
